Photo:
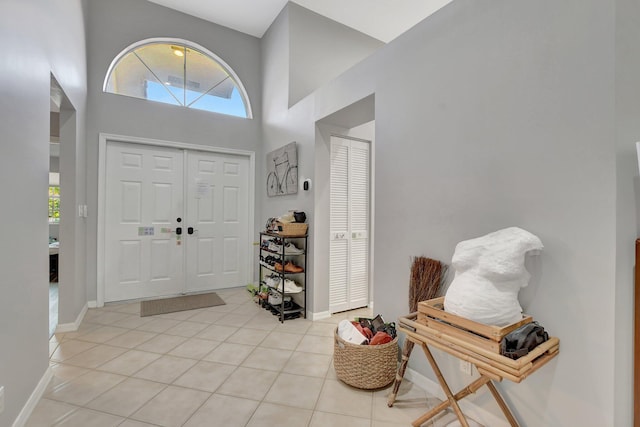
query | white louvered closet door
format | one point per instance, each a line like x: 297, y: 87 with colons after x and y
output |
x: 349, y: 210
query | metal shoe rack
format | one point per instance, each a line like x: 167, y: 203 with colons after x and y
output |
x: 298, y: 299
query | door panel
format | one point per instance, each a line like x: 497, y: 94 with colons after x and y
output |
x: 359, y: 223
x: 338, y: 275
x: 217, y: 208
x: 147, y: 189
x: 143, y: 199
x: 349, y: 222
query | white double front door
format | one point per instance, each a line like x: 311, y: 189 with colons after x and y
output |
x: 176, y: 221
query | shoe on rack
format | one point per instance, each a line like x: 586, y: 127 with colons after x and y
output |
x: 278, y: 266
x: 290, y: 267
x: 274, y: 247
x: 275, y: 298
x: 271, y: 260
x: 273, y: 281
x: 291, y: 249
x: 291, y: 287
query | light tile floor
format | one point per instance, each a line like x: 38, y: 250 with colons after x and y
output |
x: 230, y: 365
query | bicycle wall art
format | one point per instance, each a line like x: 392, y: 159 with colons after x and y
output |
x: 282, y: 171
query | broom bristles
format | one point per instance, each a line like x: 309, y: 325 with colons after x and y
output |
x: 427, y: 277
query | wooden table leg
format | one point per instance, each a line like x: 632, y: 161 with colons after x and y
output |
x: 503, y: 405
x: 406, y: 353
x: 470, y: 389
x: 445, y: 386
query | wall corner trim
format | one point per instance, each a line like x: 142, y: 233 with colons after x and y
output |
x: 33, y: 400
x: 72, y: 327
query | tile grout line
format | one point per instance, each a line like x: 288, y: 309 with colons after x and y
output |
x: 263, y: 344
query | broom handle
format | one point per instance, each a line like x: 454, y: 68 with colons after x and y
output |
x: 406, y: 353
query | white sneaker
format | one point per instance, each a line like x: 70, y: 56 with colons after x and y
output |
x: 291, y: 287
x: 274, y: 248
x: 291, y: 249
x: 273, y: 282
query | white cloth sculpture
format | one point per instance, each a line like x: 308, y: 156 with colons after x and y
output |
x: 489, y: 273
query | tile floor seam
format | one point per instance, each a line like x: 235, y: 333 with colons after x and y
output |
x: 66, y: 416
x: 239, y: 307
x: 118, y: 415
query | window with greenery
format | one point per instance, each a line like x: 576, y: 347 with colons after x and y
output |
x: 54, y: 204
x: 179, y: 73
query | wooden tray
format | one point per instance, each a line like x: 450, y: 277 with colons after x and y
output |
x: 488, y: 362
x: 431, y: 314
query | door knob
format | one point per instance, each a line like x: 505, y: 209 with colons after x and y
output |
x: 179, y: 231
x: 190, y: 230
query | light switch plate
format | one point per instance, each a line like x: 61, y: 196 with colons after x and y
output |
x: 465, y: 367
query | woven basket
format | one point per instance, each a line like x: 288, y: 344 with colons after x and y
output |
x: 365, y: 366
x: 292, y: 229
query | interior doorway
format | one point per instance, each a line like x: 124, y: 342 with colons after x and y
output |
x: 66, y: 223
x: 349, y: 223
x: 356, y: 122
x: 54, y: 202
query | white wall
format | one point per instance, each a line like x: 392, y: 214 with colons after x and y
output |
x: 113, y: 26
x: 627, y: 64
x: 492, y: 114
x: 283, y: 124
x: 280, y: 126
x: 39, y: 38
x: 323, y: 49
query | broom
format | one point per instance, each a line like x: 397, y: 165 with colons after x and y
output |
x: 427, y: 277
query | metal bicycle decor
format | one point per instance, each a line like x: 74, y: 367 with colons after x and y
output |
x: 282, y: 171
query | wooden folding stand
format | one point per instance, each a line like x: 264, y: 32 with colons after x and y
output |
x: 470, y: 341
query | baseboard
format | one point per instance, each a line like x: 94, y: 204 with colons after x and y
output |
x: 28, y: 408
x: 319, y: 315
x: 72, y: 327
x: 92, y: 304
x: 470, y: 409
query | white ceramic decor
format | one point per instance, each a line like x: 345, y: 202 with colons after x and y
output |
x: 489, y: 272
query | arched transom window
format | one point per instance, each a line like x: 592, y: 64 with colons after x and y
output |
x: 180, y: 73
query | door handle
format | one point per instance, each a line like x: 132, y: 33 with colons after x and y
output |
x: 178, y: 231
x: 190, y: 230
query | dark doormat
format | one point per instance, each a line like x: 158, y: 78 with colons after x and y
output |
x: 182, y: 303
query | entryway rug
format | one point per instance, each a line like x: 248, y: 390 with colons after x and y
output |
x: 182, y: 303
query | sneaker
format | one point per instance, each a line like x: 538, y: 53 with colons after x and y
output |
x: 273, y: 281
x: 274, y: 247
x: 275, y: 298
x: 291, y: 287
x: 291, y: 249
